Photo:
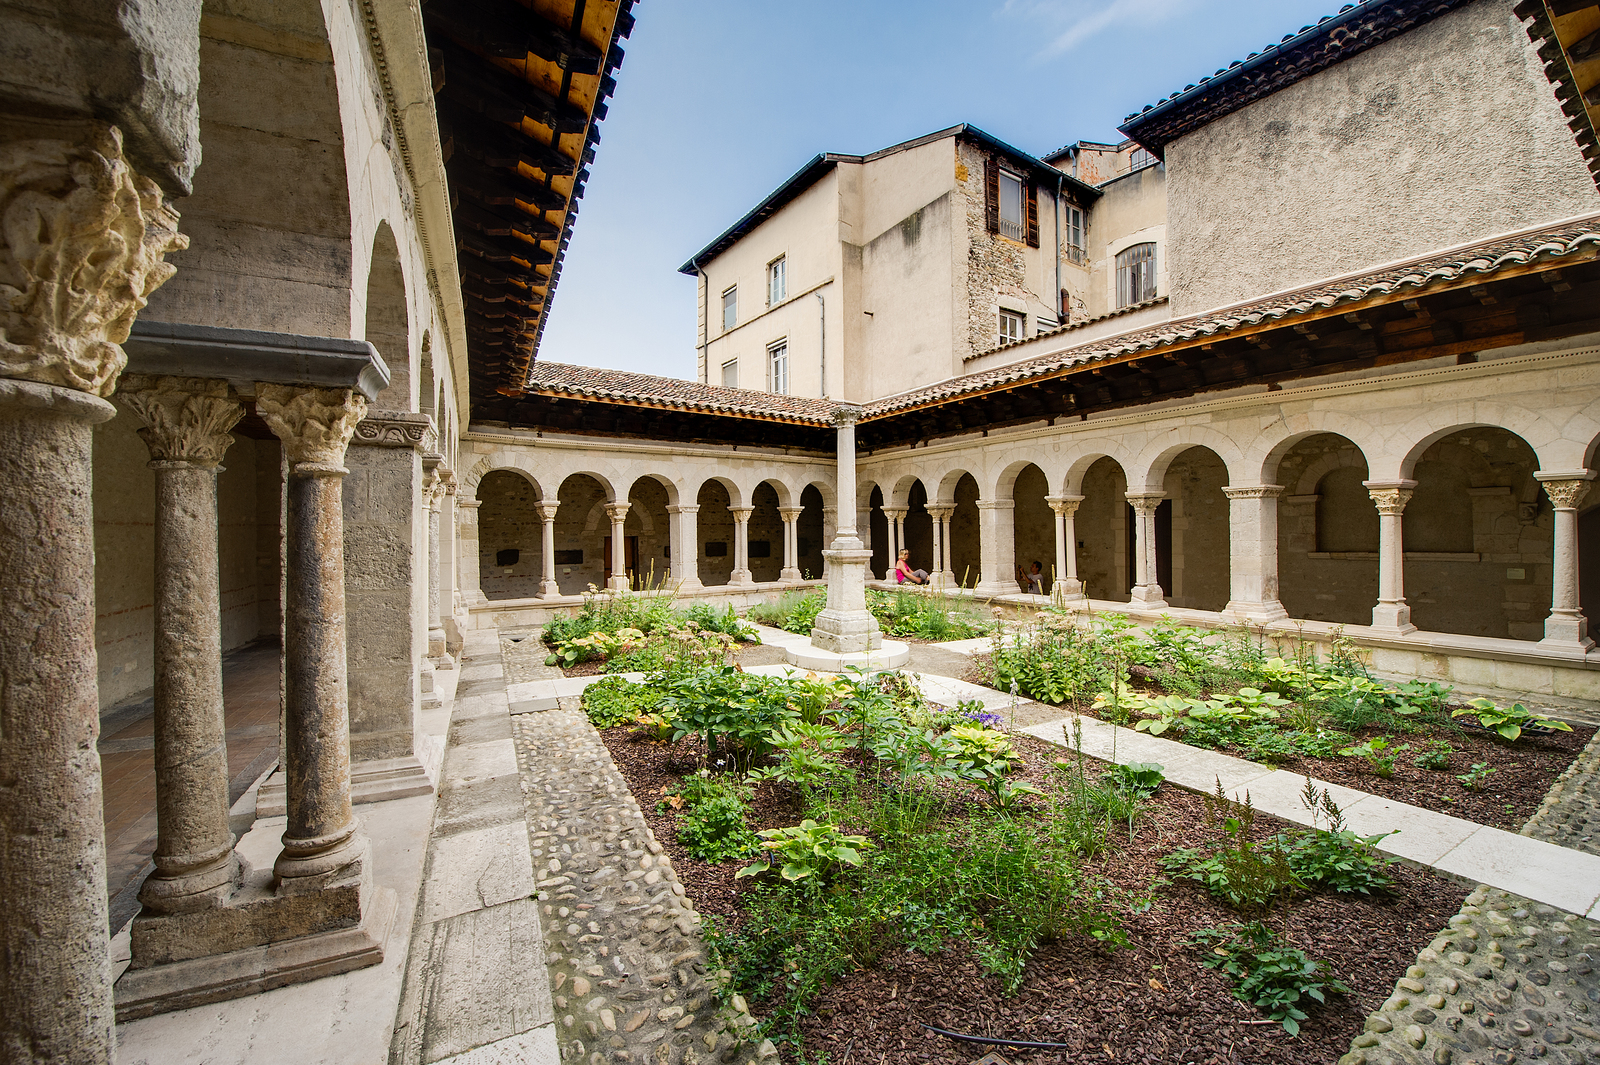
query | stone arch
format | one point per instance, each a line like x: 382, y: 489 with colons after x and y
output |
x: 1072, y: 482
x: 1150, y: 468
x: 948, y: 481
x: 388, y: 322
x: 825, y: 491
x: 779, y: 488
x: 963, y: 550
x: 510, y: 534
x: 1269, y: 453
x: 1193, y: 547
x: 901, y: 494
x: 811, y: 529
x: 500, y: 461
x: 1005, y: 482
x: 1033, y: 529
x: 1327, y: 528
x: 736, y: 495
x: 1102, y: 526
x: 606, y: 484
x: 1551, y: 443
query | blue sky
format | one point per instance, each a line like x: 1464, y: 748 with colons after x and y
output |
x: 719, y: 100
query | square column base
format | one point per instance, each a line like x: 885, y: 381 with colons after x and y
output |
x: 843, y: 632
x: 790, y: 575
x: 1254, y: 613
x: 1392, y: 617
x: 1567, y: 632
x: 257, y: 941
x: 990, y: 589
x: 1147, y: 595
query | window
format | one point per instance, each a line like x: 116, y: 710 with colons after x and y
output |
x: 1012, y: 324
x: 730, y: 374
x: 777, y: 280
x: 1011, y: 220
x: 730, y: 308
x: 778, y: 361
x: 1074, y: 234
x: 1136, y: 274
x: 1140, y: 158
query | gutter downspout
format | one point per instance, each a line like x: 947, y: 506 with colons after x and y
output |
x: 1059, y: 302
x: 705, y: 324
x: 822, y: 322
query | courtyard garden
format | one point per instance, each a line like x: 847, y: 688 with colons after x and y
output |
x: 883, y: 875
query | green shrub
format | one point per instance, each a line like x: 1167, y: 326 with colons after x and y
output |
x: 1251, y: 876
x: 1508, y: 721
x: 1266, y: 973
x: 1335, y: 857
x: 734, y: 712
x: 1435, y: 756
x: 715, y: 830
x: 1379, y: 753
x: 725, y: 621
x: 612, y: 701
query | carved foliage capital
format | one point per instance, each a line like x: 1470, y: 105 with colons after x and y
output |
x: 1066, y: 506
x: 82, y: 245
x: 939, y: 513
x: 185, y: 419
x: 618, y: 511
x: 1147, y: 503
x: 1566, y: 495
x: 315, y: 424
x: 790, y: 513
x: 546, y: 511
x: 1390, y: 501
x: 741, y: 514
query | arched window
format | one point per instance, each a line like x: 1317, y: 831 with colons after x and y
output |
x: 1136, y: 274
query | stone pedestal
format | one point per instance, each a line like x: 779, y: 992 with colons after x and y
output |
x: 1253, y: 554
x: 1566, y: 628
x: 1065, y: 585
x: 1391, y: 612
x: 846, y: 626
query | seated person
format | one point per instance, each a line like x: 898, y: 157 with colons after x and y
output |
x: 1036, y: 579
x: 904, y: 573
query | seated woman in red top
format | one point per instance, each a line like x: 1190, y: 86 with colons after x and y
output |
x: 903, y: 572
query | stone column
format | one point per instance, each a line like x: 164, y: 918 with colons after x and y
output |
x: 791, y: 550
x: 830, y: 532
x: 845, y: 625
x: 618, y: 513
x: 1253, y: 554
x: 187, y: 423
x: 549, y: 588
x: 1065, y: 583
x: 741, y: 545
x: 1146, y: 589
x: 321, y: 841
x: 82, y: 248
x: 996, y: 548
x: 467, y: 561
x: 449, y: 588
x: 433, y: 489
x: 1566, y: 627
x: 895, y: 528
x: 685, y: 537
x: 941, y: 576
x: 1391, y: 613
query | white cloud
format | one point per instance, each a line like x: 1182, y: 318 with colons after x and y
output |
x: 1080, y: 20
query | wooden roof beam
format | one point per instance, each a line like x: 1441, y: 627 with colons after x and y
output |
x: 496, y: 93
x: 507, y: 30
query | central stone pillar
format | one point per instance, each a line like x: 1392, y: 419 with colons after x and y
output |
x: 1065, y: 584
x: 895, y: 523
x: 741, y: 545
x: 941, y: 576
x: 435, y: 475
x: 685, y: 540
x: 548, y: 586
x: 845, y: 626
x: 997, y: 548
x: 618, y: 513
x: 82, y: 248
x: 791, y: 550
x: 468, y: 577
x: 1566, y: 628
x: 187, y: 423
x: 1146, y: 590
x: 1391, y: 613
x: 1253, y: 554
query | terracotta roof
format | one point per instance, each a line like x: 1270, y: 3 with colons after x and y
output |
x: 1332, y: 40
x: 647, y: 390
x: 1488, y: 258
x: 1070, y: 328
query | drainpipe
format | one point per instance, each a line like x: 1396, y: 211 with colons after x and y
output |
x: 705, y: 318
x: 822, y: 321
x: 1060, y: 308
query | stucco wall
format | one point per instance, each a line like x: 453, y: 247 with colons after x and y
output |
x: 1131, y: 210
x: 1441, y: 136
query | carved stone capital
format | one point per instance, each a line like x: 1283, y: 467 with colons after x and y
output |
x: 683, y: 508
x: 1254, y: 491
x: 1390, y: 497
x: 741, y: 514
x: 315, y: 424
x: 789, y: 514
x: 546, y: 511
x: 1066, y: 506
x: 1145, y: 504
x: 895, y: 512
x: 846, y: 415
x: 938, y: 513
x: 618, y: 512
x: 393, y: 429
x: 186, y: 419
x: 82, y: 245
x: 1566, y: 494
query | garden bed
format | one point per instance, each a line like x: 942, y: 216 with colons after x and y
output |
x: 1150, y: 1001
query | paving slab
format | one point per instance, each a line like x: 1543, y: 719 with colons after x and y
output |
x: 1531, y: 868
x: 485, y: 979
x: 976, y: 646
x: 477, y: 869
x: 537, y: 1047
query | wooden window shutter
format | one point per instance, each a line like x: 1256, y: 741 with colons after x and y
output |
x: 991, y: 194
x: 1031, y: 212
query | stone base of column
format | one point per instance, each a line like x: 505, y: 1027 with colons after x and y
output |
x: 549, y: 589
x: 843, y: 632
x: 438, y: 652
x: 1147, y: 595
x: 259, y: 941
x: 741, y: 577
x: 1567, y: 632
x: 1254, y: 613
x: 1067, y: 590
x: 690, y: 584
x: 790, y: 573
x: 1392, y: 617
x: 990, y: 589
x: 373, y: 780
x: 846, y: 626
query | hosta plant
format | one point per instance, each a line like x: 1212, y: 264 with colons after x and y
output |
x: 807, y: 850
x: 1508, y: 721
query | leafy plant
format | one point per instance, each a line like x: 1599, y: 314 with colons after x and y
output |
x: 807, y: 850
x: 594, y: 645
x: 1435, y: 755
x: 1250, y: 876
x: 1508, y: 721
x: 804, y: 754
x: 1474, y: 778
x: 1168, y: 711
x: 1379, y: 753
x: 1137, y: 779
x: 1335, y: 857
x: 715, y: 830
x: 1266, y: 973
x: 725, y: 621
x: 613, y: 701
x: 733, y: 711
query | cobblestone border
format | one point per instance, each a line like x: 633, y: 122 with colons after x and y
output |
x: 1570, y: 813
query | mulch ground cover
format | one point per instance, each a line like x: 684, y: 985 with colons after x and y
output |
x: 1151, y: 1003
x: 1523, y: 771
